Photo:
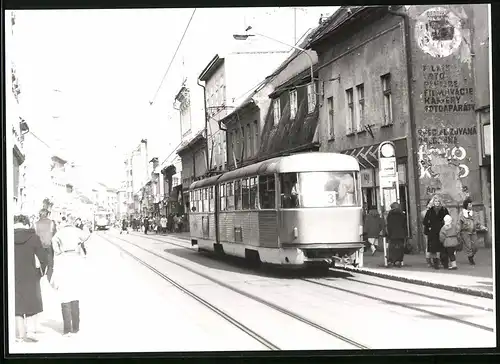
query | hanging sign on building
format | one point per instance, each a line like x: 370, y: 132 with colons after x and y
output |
x: 439, y: 32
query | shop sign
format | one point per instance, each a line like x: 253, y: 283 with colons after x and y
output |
x: 366, y: 176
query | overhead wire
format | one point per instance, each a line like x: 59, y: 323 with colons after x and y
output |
x: 173, y: 58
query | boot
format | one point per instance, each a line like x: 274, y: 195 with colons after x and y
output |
x: 453, y: 265
x: 429, y: 262
x: 435, y: 262
x: 471, y: 261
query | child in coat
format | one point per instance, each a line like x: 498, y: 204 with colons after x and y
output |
x: 448, y: 236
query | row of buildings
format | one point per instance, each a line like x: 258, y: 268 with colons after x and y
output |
x: 42, y: 177
x: 414, y: 75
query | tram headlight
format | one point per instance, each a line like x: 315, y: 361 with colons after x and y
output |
x: 295, y: 232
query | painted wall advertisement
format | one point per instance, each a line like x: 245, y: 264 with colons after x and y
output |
x: 444, y: 103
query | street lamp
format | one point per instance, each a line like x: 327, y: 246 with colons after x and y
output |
x: 246, y: 36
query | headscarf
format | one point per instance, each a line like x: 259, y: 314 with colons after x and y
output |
x: 448, y: 220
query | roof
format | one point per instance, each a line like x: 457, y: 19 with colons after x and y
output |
x: 248, y: 101
x: 303, y: 77
x: 303, y: 162
x: 198, y: 137
x: 337, y: 19
x: 211, y: 67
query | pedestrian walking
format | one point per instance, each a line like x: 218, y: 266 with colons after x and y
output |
x: 46, y: 228
x: 163, y: 223
x: 69, y: 273
x: 373, y: 228
x: 79, y: 225
x: 28, y: 301
x: 448, y: 237
x: 124, y: 226
x: 433, y: 222
x: 467, y: 228
x: 146, y: 225
x: 396, y: 233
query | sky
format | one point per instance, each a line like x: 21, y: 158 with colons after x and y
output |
x: 106, y: 66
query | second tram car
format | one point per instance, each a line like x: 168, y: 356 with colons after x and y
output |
x: 291, y: 210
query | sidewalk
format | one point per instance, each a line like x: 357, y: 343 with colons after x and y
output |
x: 473, y: 280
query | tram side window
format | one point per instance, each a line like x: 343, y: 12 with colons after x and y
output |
x: 245, y: 194
x: 254, y: 201
x: 237, y: 195
x: 211, y: 198
x: 205, y: 200
x: 229, y: 196
x: 267, y: 192
x: 222, y: 197
x: 289, y: 193
x: 199, y: 201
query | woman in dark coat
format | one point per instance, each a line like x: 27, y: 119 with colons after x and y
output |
x: 373, y: 228
x: 396, y: 233
x: 27, y: 276
x: 433, y: 222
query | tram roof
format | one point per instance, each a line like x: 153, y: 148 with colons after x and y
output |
x: 303, y: 162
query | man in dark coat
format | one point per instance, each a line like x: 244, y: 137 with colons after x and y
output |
x: 27, y: 276
x: 396, y: 233
x: 146, y: 225
x: 124, y: 226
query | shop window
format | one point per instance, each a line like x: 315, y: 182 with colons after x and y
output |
x: 267, y: 192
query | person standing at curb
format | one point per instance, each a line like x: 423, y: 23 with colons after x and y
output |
x: 146, y: 225
x: 163, y: 223
x: 28, y: 301
x: 448, y: 236
x: 433, y: 222
x: 373, y: 228
x: 426, y: 239
x: 467, y: 228
x: 396, y: 233
x: 69, y: 272
x: 45, y: 228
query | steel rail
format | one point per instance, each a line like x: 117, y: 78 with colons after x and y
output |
x: 205, y: 303
x: 255, y: 298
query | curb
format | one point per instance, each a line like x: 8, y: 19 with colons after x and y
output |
x: 463, y: 290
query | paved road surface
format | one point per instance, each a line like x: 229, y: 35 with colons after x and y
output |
x: 128, y: 307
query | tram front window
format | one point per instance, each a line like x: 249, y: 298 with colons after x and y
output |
x: 318, y: 189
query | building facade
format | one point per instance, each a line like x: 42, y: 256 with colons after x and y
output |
x: 365, y: 66
x: 16, y: 125
x: 227, y: 85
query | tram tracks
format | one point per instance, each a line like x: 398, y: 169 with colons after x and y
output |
x: 220, y: 283
x: 324, y: 282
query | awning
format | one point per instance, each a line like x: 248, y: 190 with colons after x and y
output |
x: 367, y: 156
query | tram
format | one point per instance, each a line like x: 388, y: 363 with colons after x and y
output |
x: 293, y: 210
x: 102, y: 220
